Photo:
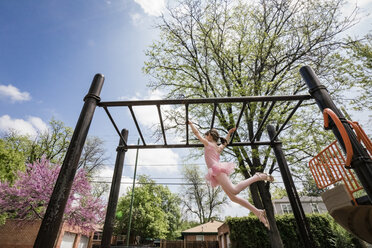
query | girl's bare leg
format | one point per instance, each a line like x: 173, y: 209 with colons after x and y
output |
x: 230, y: 190
x: 224, y: 180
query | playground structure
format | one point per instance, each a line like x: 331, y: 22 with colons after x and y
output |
x: 330, y: 167
x: 360, y: 161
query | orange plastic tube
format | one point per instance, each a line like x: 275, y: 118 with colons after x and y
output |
x: 345, y: 137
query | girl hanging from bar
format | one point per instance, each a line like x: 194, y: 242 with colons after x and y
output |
x: 218, y: 172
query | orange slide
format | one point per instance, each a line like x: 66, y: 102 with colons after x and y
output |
x: 330, y: 169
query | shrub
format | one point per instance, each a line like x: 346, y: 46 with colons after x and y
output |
x: 247, y: 232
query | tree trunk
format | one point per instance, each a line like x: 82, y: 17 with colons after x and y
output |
x: 275, y: 239
x: 265, y: 200
x: 256, y: 196
x: 262, y: 199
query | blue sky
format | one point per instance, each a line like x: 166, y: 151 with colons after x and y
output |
x: 50, y: 51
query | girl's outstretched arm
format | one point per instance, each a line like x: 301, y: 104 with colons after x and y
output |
x: 197, y: 134
x: 228, y: 136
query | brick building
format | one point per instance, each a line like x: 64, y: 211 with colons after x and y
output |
x: 224, y: 236
x: 22, y: 234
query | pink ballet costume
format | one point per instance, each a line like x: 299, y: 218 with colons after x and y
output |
x: 215, y: 167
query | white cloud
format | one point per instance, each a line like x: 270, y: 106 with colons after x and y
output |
x: 105, y: 174
x: 13, y: 93
x: 348, y: 8
x: 154, y: 95
x: 152, y: 7
x: 158, y: 160
x: 148, y: 115
x: 38, y: 123
x: 32, y: 126
x: 146, y: 157
x: 136, y: 19
x: 361, y: 3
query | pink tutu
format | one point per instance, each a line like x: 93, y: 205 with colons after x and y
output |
x: 216, y: 169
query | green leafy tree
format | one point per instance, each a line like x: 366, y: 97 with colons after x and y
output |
x: 11, y: 161
x: 220, y: 48
x: 53, y: 144
x: 310, y: 188
x: 201, y: 199
x: 354, y: 64
x: 278, y: 193
x: 186, y: 224
x: 155, y: 213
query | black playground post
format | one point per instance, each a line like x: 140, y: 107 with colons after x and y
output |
x: 361, y: 162
x: 294, y: 199
x: 53, y: 216
x: 114, y: 192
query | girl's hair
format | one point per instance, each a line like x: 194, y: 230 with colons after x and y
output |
x: 215, y: 136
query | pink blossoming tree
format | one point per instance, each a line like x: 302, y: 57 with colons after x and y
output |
x: 27, y: 198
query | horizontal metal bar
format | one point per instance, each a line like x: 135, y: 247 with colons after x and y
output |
x: 204, y: 100
x: 260, y: 143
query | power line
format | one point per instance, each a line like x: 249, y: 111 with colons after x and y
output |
x: 176, y: 183
x: 165, y: 165
x: 154, y: 183
x: 176, y: 178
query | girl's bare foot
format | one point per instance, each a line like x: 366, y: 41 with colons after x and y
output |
x: 263, y: 218
x: 264, y: 176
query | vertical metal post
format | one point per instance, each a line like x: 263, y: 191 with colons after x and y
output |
x: 361, y: 162
x: 132, y: 197
x: 53, y: 216
x: 114, y: 192
x: 294, y: 199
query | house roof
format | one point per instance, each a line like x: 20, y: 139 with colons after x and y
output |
x: 209, y: 227
x: 302, y: 199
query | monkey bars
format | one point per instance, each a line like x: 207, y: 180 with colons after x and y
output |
x: 215, y: 101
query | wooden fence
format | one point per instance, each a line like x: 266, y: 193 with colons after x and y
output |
x: 188, y: 244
